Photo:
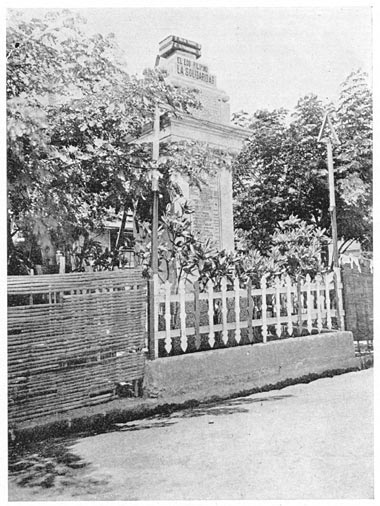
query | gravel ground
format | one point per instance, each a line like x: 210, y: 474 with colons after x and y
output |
x: 306, y: 441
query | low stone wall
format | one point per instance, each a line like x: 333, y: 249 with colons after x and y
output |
x: 229, y: 371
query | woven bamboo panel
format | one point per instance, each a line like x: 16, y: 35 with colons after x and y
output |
x: 69, y: 348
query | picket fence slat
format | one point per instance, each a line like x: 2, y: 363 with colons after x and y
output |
x: 168, y: 339
x: 319, y: 305
x: 250, y: 310
x: 327, y: 299
x: 224, y: 310
x: 197, y: 315
x: 264, y: 308
x: 218, y: 327
x: 237, y: 311
x: 211, y: 330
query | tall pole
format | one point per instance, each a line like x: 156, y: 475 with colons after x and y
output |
x: 153, y: 281
x: 332, y: 209
x: 334, y: 230
x: 327, y: 134
x: 155, y: 156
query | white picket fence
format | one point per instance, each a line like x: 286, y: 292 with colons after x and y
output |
x: 277, y: 310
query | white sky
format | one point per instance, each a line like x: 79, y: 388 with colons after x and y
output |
x: 263, y: 57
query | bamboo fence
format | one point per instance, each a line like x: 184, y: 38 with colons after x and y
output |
x: 72, y: 339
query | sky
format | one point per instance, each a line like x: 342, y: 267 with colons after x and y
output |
x: 263, y: 57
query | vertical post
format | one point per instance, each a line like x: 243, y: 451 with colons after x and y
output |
x: 289, y: 305
x: 197, y: 315
x: 224, y: 310
x: 151, y: 333
x: 237, y: 309
x: 334, y: 229
x: 182, y: 314
x: 154, y: 248
x: 250, y: 310
x: 328, y: 302
x: 300, y: 304
x: 278, y: 307
x: 31, y: 295
x: 319, y: 303
x: 211, y: 337
x: 339, y: 298
x: 310, y: 305
x: 61, y: 261
x: 331, y: 136
x: 168, y: 340
x: 335, y: 256
x: 263, y: 286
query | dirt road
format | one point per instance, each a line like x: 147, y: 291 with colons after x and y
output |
x: 312, y: 441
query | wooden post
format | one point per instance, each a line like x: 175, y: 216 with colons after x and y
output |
x: 154, y: 248
x: 319, y: 303
x: 289, y: 305
x: 197, y: 315
x: 328, y: 303
x: 182, y: 314
x: 211, y: 337
x: 263, y: 286
x: 329, y: 139
x: 250, y: 310
x: 237, y: 309
x: 224, y: 310
x: 339, y: 298
x: 300, y: 305
x: 278, y: 307
x: 168, y: 340
x: 310, y: 305
x: 332, y: 209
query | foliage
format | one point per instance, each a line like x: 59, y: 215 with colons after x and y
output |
x: 296, y: 250
x: 276, y: 175
x: 354, y: 159
x: 282, y: 169
x: 73, y: 115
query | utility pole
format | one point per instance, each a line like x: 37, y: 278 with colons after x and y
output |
x: 334, y: 229
x: 328, y: 135
x: 153, y: 281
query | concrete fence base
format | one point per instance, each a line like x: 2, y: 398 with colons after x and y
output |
x: 228, y: 371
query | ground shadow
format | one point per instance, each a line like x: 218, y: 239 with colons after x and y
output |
x: 230, y: 407
x: 221, y: 408
x: 50, y: 464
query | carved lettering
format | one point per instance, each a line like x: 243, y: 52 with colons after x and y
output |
x: 194, y: 70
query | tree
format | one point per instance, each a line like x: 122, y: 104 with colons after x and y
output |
x: 73, y: 118
x: 354, y: 160
x: 295, y: 249
x: 282, y: 169
x: 278, y: 173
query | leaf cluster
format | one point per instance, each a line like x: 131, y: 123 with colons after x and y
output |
x: 282, y: 169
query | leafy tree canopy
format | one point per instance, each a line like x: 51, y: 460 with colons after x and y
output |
x: 282, y: 169
x: 73, y: 118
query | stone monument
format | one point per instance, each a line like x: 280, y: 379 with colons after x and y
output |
x: 181, y: 60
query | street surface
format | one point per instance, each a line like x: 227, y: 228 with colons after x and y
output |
x: 307, y: 441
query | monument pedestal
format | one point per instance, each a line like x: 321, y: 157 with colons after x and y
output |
x: 209, y: 126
